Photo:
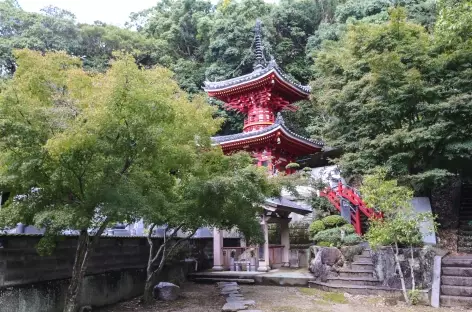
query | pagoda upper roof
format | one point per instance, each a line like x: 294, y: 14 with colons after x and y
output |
x: 262, y: 69
x: 279, y: 125
x: 257, y: 74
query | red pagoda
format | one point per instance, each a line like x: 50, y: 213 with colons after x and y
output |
x: 261, y: 95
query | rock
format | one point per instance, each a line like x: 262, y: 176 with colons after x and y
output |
x: 85, y: 309
x: 233, y: 307
x: 331, y: 256
x: 235, y: 295
x: 167, y: 291
x: 223, y: 284
x: 325, y: 260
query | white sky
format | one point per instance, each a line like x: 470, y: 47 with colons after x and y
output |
x: 87, y: 11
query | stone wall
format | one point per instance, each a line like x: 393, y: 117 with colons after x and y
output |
x: 32, y: 283
x: 385, y: 269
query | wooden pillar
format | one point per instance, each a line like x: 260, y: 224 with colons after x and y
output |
x: 264, y: 265
x: 285, y: 241
x: 217, y: 250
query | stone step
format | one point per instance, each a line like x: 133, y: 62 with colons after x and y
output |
x: 455, y: 301
x: 223, y: 279
x: 457, y: 262
x: 366, y: 253
x: 465, y: 227
x: 464, y: 233
x: 464, y: 238
x: 457, y: 271
x: 362, y: 258
x: 462, y: 291
x: 356, y: 289
x: 362, y: 281
x: 356, y: 273
x: 456, y: 281
x: 465, y: 249
x: 362, y: 265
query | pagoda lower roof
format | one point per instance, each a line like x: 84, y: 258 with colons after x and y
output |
x: 279, y: 125
x: 247, y: 81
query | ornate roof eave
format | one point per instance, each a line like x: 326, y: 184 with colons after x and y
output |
x: 259, y: 73
x: 278, y: 125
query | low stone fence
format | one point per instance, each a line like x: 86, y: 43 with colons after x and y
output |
x: 422, y: 263
x: 33, y: 283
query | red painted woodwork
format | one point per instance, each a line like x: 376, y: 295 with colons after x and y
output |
x: 334, y: 195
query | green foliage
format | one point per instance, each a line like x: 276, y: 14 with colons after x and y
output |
x: 400, y: 224
x: 351, y: 239
x: 325, y: 244
x: 315, y: 227
x: 348, y: 228
x: 390, y: 101
x: 415, y: 296
x: 332, y: 236
x: 333, y: 221
x: 322, y: 207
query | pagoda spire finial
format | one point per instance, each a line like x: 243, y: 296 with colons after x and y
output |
x: 258, y: 49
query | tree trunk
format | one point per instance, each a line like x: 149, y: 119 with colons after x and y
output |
x: 413, y: 282
x: 402, y: 277
x: 84, y: 249
x: 148, y: 289
x: 78, y: 272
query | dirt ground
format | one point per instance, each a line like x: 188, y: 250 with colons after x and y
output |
x: 206, y: 298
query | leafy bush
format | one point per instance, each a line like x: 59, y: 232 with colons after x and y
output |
x: 324, y: 244
x: 316, y: 227
x: 334, y: 220
x: 322, y: 207
x: 348, y: 229
x: 351, y: 239
x: 332, y: 236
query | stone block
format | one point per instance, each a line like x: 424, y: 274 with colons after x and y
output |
x: 166, y: 291
x: 233, y: 307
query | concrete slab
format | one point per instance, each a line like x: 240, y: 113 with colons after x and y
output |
x: 422, y: 205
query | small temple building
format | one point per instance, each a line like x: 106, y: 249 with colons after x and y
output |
x: 261, y: 96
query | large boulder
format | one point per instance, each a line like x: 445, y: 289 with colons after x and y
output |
x: 325, y: 260
x: 166, y: 291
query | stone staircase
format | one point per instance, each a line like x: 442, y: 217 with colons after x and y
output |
x: 357, y: 280
x: 456, y: 281
x: 464, y: 239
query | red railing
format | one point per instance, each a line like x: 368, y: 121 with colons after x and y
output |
x: 334, y: 195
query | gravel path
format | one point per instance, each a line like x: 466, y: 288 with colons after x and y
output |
x: 195, y: 298
x: 206, y: 298
x: 291, y: 299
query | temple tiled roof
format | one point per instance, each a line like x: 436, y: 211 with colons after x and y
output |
x: 279, y: 124
x: 262, y: 68
x: 258, y: 73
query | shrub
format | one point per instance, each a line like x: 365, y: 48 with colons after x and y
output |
x: 315, y: 227
x: 334, y: 220
x: 351, y: 239
x: 332, y: 236
x: 348, y: 229
x: 324, y: 244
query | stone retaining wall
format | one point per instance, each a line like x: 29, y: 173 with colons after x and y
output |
x: 32, y: 283
x: 423, y: 264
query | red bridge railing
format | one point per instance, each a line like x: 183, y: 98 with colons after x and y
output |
x: 358, y: 206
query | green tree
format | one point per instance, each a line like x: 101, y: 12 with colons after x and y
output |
x: 217, y: 191
x: 52, y: 29
x: 81, y: 152
x: 392, y: 102
x: 400, y: 224
x: 98, y: 41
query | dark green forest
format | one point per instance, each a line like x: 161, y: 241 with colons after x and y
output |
x: 391, y: 79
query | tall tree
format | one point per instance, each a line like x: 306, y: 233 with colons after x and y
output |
x: 81, y: 152
x: 390, y: 101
